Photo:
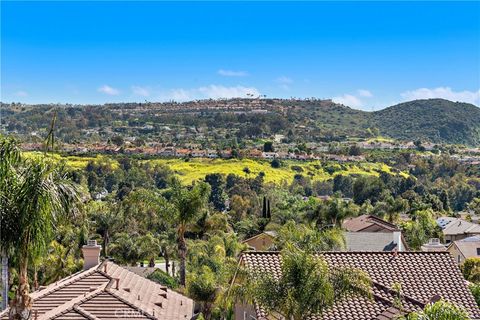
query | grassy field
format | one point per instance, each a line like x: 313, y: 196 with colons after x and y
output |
x: 197, y: 169
x: 74, y: 162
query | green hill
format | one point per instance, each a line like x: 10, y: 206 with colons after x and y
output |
x: 216, y: 123
x: 436, y: 120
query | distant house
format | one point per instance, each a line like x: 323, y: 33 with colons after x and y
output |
x: 198, y: 153
x: 375, y: 241
x: 433, y: 245
x: 368, y: 223
x: 212, y: 154
x: 262, y: 241
x: 226, y: 154
x: 457, y: 229
x: 107, y: 291
x: 254, y: 153
x: 465, y: 248
x: 167, y: 152
x: 182, y: 153
x: 269, y: 155
x: 370, y: 233
x: 423, y: 276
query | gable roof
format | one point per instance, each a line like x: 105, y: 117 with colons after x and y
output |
x: 422, y: 275
x: 270, y: 234
x: 108, y: 291
x: 367, y: 221
x: 370, y: 241
x: 469, y: 247
x: 455, y: 226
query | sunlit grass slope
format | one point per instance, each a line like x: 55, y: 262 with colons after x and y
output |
x: 197, y: 169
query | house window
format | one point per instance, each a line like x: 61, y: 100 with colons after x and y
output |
x: 458, y: 259
x: 478, y: 251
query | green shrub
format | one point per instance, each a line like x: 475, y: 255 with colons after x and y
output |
x: 276, y: 163
x: 159, y: 276
x: 297, y: 168
x: 475, y: 289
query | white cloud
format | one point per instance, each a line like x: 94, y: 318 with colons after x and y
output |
x: 141, y: 91
x: 217, y: 91
x: 21, y: 94
x: 444, y: 93
x: 348, y: 100
x: 108, y: 90
x: 180, y: 95
x: 364, y: 93
x: 353, y: 100
x: 210, y: 92
x: 284, y: 80
x: 231, y: 73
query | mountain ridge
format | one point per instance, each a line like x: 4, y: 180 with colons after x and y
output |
x: 434, y: 120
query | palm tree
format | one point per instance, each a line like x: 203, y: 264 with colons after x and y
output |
x: 9, y: 156
x: 107, y: 219
x: 333, y: 211
x: 168, y: 248
x: 149, y: 248
x: 309, y: 238
x: 212, y: 264
x: 35, y: 196
x: 307, y: 286
x: 188, y: 203
x: 126, y: 249
x: 440, y: 310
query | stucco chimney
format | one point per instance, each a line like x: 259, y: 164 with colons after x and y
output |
x: 397, y: 238
x: 91, y: 254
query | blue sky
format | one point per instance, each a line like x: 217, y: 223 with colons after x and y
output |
x: 367, y: 55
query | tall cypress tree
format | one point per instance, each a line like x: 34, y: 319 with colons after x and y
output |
x: 269, y: 215
x: 264, y: 208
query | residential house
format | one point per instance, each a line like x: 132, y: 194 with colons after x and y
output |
x: 254, y: 153
x: 167, y: 152
x: 262, y: 241
x: 226, y: 154
x: 457, y: 229
x: 433, y: 245
x: 269, y: 155
x: 370, y: 233
x: 107, y: 291
x: 212, y: 154
x: 182, y: 153
x: 368, y: 223
x: 465, y: 248
x: 423, y: 276
x: 198, y: 153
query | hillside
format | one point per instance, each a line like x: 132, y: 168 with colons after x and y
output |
x: 220, y: 123
x: 436, y: 120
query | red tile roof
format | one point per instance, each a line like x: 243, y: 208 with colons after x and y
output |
x: 108, y: 291
x: 422, y: 276
x: 367, y: 221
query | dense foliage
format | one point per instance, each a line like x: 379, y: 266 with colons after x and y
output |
x: 299, y: 121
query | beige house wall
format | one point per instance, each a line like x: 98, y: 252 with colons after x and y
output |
x: 261, y: 243
x: 457, y: 255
